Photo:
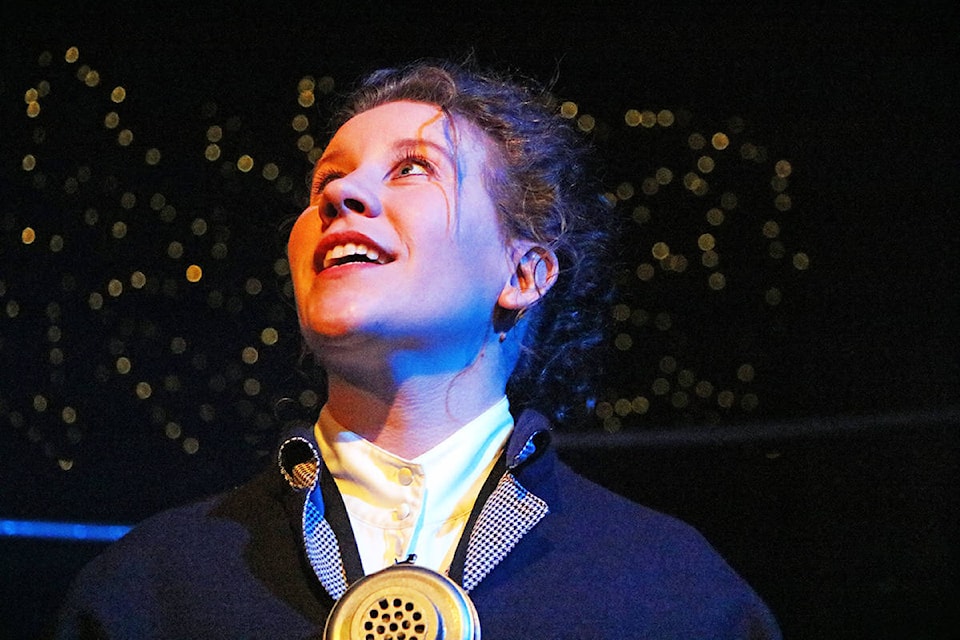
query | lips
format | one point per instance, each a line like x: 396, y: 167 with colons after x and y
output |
x: 349, y: 247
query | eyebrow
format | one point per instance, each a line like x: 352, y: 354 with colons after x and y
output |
x: 414, y: 144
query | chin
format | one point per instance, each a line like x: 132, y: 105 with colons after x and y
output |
x: 321, y: 331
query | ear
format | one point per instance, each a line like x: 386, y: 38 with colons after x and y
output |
x: 536, y: 271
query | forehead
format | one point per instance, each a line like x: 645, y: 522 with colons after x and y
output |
x: 400, y: 123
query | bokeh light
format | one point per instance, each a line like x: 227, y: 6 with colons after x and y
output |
x: 173, y: 295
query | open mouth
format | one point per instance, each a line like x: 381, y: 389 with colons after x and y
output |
x: 351, y: 252
x: 346, y: 248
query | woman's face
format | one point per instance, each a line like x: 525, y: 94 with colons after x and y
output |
x: 401, y: 241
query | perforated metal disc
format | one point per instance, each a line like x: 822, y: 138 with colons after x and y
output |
x: 403, y: 602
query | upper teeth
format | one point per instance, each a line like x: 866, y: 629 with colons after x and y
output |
x: 350, y: 249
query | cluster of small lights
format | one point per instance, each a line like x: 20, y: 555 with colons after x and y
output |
x: 180, y: 318
x: 701, y: 203
x: 168, y: 305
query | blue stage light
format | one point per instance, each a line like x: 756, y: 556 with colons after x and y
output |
x: 80, y: 531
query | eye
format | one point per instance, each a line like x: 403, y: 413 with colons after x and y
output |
x: 414, y: 165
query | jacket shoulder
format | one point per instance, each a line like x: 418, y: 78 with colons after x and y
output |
x: 157, y: 581
x: 625, y: 569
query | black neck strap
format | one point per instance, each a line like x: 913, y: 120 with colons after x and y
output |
x: 335, y: 513
x: 459, y: 561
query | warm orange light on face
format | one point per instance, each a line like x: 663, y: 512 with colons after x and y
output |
x: 700, y: 186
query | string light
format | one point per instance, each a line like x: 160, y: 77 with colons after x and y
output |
x: 191, y: 290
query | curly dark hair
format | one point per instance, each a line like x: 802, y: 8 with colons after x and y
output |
x: 547, y: 190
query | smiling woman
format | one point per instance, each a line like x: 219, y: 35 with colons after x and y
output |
x: 447, y: 271
x: 415, y: 210
x: 391, y: 180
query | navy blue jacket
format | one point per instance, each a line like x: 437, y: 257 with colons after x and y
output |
x: 588, y: 564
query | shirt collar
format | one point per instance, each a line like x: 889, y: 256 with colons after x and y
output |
x: 530, y: 436
x: 443, y: 473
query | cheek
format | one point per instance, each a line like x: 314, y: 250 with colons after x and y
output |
x: 421, y: 223
x: 479, y: 231
x: 304, y: 235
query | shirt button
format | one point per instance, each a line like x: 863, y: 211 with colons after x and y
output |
x: 405, y: 476
x: 403, y: 511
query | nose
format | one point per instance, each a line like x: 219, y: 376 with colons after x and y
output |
x: 348, y: 195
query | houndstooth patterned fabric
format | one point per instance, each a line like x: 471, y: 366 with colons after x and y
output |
x: 529, y: 448
x: 510, y: 512
x: 299, y: 463
x: 322, y: 548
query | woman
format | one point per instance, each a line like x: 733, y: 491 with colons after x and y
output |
x: 451, y: 257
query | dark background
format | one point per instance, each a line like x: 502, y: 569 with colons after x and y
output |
x: 829, y: 480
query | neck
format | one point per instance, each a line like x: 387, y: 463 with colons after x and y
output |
x: 407, y: 405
